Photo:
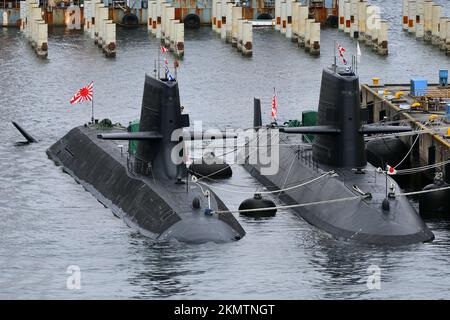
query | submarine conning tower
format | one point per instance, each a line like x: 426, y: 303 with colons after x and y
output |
x: 340, y: 128
x: 160, y: 130
x: 339, y: 107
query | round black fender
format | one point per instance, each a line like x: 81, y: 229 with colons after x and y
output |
x: 192, y: 21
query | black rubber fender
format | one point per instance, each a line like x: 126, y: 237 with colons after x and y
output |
x: 192, y: 21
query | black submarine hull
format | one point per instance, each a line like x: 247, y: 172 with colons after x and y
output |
x: 160, y: 210
x: 368, y: 214
x: 361, y: 220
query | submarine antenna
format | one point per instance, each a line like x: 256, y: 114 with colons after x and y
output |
x: 92, y: 107
x: 335, y: 59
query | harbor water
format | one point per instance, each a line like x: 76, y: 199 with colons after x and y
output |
x: 49, y: 223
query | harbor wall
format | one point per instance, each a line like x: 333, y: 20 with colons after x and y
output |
x: 432, y: 148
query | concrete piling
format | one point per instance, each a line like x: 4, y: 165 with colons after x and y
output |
x: 283, y: 17
x: 229, y: 23
x: 376, y: 33
x: 295, y: 16
x: 247, y: 38
x: 347, y: 15
x: 354, y: 23
x: 278, y: 15
x: 412, y: 16
x: 341, y: 16
x: 315, y: 38
x: 154, y: 18
x: 213, y: 14
x: 405, y: 20
x: 109, y: 43
x: 172, y: 32
x: 362, y: 19
x: 240, y: 23
x: 447, y: 41
x: 435, y: 20
x: 420, y: 23
x: 236, y: 15
x: 179, y: 40
x: 223, y: 29
x: 443, y: 33
x: 34, y: 27
x: 427, y: 17
x: 289, y: 19
x: 370, y: 14
x: 308, y: 34
x: 168, y: 16
x: 303, y: 15
x: 159, y: 8
x: 218, y: 17
x: 382, y: 41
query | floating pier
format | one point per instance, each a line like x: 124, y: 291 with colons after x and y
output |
x: 424, y: 109
x: 423, y: 18
x: 34, y: 27
x: 164, y: 24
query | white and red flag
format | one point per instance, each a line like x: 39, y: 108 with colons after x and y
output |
x: 274, y: 105
x: 341, y: 51
x: 390, y: 170
x: 164, y: 49
x: 84, y: 94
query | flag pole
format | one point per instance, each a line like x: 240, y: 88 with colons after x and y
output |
x: 159, y: 62
x: 92, y: 106
x: 334, y: 52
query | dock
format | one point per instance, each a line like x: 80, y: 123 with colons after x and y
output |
x: 426, y: 111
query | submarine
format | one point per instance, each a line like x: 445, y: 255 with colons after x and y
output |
x: 372, y: 210
x: 150, y: 191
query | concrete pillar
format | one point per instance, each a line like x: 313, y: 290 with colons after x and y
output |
x: 218, y: 17
x: 443, y: 33
x: 41, y: 38
x: 283, y: 17
x: 163, y: 16
x: 34, y: 16
x: 341, y: 15
x: 420, y: 23
x: 375, y: 33
x: 382, y: 46
x: 347, y: 14
x: 169, y: 15
x: 362, y: 19
x: 436, y: 16
x: 308, y: 34
x: 405, y: 21
x: 87, y: 16
x: 92, y: 31
x: 295, y: 16
x: 278, y: 15
x: 213, y: 14
x: 240, y: 33
x: 289, y: 19
x: 109, y: 43
x: 154, y: 18
x: 172, y: 33
x: 302, y: 16
x: 315, y: 38
x: 247, y: 38
x: 223, y: 30
x: 159, y: 10
x: 371, y: 20
x: 427, y: 17
x: 179, y: 40
x: 354, y: 23
x: 102, y: 18
x: 447, y: 41
x: 149, y: 16
x: 229, y: 24
x: 412, y: 7
x: 97, y: 19
x: 236, y: 15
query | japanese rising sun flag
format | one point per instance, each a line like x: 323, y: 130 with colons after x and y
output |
x: 390, y: 170
x: 341, y: 51
x: 164, y: 49
x: 274, y: 105
x: 84, y: 94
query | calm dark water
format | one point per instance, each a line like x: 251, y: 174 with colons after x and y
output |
x: 49, y: 222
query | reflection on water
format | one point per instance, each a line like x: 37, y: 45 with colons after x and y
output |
x: 50, y: 222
